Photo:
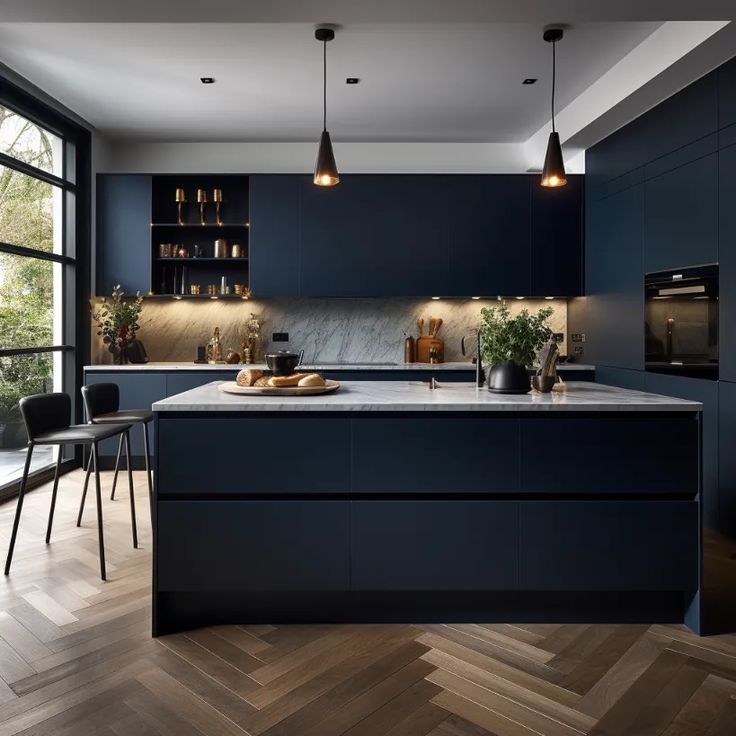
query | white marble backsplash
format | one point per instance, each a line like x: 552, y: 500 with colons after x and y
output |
x: 328, y: 330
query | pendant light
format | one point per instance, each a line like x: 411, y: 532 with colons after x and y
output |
x: 325, y: 170
x: 553, y: 173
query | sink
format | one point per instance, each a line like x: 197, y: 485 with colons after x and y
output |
x: 347, y: 365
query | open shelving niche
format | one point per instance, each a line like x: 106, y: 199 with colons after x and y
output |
x: 235, y: 215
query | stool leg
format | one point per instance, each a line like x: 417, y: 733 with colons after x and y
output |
x: 86, y: 484
x: 98, y: 494
x: 53, y: 494
x: 18, y: 508
x: 146, y: 452
x: 132, y: 494
x: 117, y: 468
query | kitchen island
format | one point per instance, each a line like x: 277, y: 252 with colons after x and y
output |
x: 388, y: 501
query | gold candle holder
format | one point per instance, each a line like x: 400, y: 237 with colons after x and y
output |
x: 202, y: 200
x: 217, y: 199
x: 181, y: 199
x: 195, y: 289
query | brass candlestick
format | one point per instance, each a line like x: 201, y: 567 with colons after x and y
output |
x: 202, y: 199
x: 181, y: 199
x: 217, y: 199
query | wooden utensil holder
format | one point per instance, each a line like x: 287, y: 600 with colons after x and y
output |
x: 426, y: 344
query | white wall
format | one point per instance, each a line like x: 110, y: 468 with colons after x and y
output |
x: 285, y: 158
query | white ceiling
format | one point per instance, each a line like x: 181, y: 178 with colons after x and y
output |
x: 419, y: 82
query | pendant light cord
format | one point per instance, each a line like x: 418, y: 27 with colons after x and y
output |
x: 554, y: 74
x: 324, y: 85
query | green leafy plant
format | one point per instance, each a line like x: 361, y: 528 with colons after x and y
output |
x: 513, y: 338
x: 117, y: 320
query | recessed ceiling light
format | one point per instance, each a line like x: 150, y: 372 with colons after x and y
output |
x: 207, y: 80
x: 435, y: 298
x: 352, y: 80
x: 549, y: 298
x: 529, y: 80
x: 475, y: 298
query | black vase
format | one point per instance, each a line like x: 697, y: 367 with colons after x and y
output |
x: 508, y: 378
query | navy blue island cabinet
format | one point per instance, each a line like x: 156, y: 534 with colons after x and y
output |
x: 341, y: 516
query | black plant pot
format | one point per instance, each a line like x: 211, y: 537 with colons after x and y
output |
x: 509, y: 378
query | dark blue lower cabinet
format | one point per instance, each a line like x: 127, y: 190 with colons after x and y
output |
x: 630, y: 454
x: 253, y: 454
x: 727, y: 462
x: 609, y: 546
x: 434, y: 545
x: 255, y: 546
x: 467, y: 455
x: 176, y: 383
x: 137, y: 391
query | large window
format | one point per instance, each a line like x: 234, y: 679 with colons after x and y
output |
x: 39, y: 211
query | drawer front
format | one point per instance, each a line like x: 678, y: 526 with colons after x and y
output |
x: 253, y: 455
x: 608, y: 545
x: 435, y: 455
x: 612, y: 455
x: 434, y: 545
x: 253, y: 546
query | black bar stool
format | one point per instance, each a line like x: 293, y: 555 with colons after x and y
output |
x: 48, y: 422
x: 102, y: 406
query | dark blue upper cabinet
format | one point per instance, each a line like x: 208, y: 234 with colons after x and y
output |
x: 614, y: 277
x: 274, y: 235
x: 557, y: 239
x: 123, y: 233
x: 373, y: 235
x: 680, y: 216
x: 727, y: 94
x: 727, y: 261
x: 489, y: 235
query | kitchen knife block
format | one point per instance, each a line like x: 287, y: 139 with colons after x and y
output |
x: 425, y: 345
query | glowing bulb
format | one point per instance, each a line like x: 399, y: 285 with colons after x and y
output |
x: 475, y: 298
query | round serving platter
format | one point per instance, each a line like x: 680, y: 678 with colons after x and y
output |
x: 230, y: 387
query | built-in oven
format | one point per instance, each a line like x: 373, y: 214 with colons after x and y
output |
x: 681, y: 326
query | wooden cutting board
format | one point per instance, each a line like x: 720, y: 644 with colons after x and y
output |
x: 230, y: 387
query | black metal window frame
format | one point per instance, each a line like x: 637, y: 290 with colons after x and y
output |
x: 75, y: 228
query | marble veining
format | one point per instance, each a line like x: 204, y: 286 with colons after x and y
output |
x: 416, y: 396
x: 328, y: 330
x: 173, y: 366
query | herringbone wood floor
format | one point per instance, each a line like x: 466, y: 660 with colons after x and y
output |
x: 77, y: 658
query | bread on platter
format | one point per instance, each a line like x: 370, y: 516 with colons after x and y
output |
x: 248, y: 377
x: 262, y: 381
x: 282, y: 381
x: 312, y: 379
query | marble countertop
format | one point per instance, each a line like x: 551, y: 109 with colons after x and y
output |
x: 416, y: 396
x: 457, y: 366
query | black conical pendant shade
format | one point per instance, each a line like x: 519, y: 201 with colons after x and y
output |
x: 325, y: 170
x: 553, y: 173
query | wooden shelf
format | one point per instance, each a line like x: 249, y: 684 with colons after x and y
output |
x: 200, y: 226
x: 190, y: 259
x: 196, y: 296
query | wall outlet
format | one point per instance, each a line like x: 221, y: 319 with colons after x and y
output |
x: 578, y: 337
x: 578, y: 350
x: 280, y: 337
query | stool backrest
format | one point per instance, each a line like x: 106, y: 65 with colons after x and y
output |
x: 100, y: 398
x: 45, y: 413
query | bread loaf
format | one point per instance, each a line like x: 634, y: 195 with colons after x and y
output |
x: 262, y: 381
x: 248, y: 377
x: 312, y: 379
x: 281, y: 381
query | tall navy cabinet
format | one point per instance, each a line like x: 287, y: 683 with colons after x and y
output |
x: 661, y: 194
x: 614, y: 280
x: 123, y: 233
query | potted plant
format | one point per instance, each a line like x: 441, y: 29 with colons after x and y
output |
x: 117, y: 322
x: 510, y: 345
